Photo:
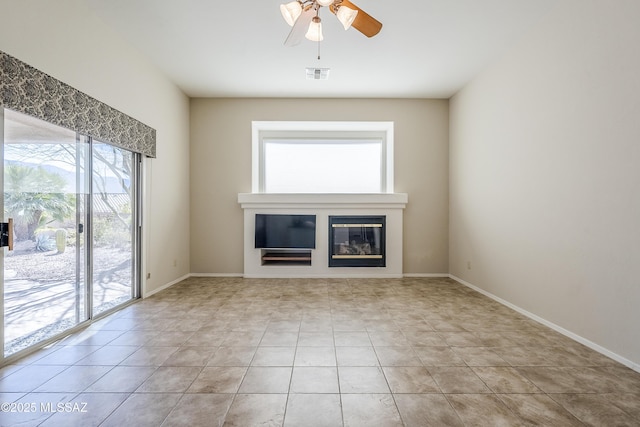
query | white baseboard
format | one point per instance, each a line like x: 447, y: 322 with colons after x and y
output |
x: 163, y: 287
x: 323, y: 276
x: 569, y: 334
x: 216, y: 275
x: 428, y: 275
x: 186, y: 276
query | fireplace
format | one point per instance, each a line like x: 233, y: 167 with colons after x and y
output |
x: 357, y: 241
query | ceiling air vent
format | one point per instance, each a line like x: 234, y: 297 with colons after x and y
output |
x: 317, y: 73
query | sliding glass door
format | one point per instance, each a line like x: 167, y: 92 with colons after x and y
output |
x: 45, y: 193
x: 72, y: 206
x: 114, y: 226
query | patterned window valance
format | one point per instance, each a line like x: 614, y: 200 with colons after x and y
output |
x: 30, y: 91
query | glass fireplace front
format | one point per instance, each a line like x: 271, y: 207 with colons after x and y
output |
x: 357, y: 241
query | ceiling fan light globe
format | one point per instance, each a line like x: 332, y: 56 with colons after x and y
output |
x: 346, y: 16
x: 290, y: 12
x: 324, y: 3
x: 314, y: 33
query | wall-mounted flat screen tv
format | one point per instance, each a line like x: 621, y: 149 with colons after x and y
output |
x: 274, y: 231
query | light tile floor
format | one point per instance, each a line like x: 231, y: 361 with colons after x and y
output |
x: 234, y: 352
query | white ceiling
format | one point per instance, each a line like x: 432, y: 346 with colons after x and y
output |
x: 426, y: 49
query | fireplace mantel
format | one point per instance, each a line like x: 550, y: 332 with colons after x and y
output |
x: 391, y: 205
x: 360, y: 201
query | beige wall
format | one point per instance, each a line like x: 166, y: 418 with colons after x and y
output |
x: 545, y: 175
x: 64, y: 39
x: 221, y: 168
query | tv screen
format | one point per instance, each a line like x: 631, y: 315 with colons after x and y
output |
x: 275, y: 231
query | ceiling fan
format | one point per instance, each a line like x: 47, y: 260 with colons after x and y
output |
x: 304, y: 17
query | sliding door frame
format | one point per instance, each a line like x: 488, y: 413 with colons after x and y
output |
x: 84, y: 297
x: 136, y: 238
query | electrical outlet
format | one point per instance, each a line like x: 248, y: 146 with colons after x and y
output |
x: 175, y: 263
x: 468, y: 265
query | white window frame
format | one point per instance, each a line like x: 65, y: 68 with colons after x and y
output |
x: 325, y: 130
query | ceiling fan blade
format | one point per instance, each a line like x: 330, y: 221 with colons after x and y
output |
x: 365, y: 23
x: 300, y: 27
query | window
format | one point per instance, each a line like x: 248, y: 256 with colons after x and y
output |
x: 322, y: 157
x: 322, y: 166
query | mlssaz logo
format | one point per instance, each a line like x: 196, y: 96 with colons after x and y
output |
x: 80, y: 407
